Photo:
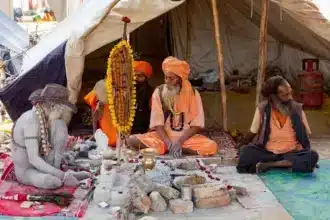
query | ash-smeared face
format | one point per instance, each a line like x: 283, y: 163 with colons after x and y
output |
x: 55, y: 111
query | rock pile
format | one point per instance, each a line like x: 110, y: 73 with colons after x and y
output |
x: 145, y: 194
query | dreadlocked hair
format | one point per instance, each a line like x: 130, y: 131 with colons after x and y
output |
x: 270, y: 87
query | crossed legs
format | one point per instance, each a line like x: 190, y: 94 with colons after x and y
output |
x: 254, y: 159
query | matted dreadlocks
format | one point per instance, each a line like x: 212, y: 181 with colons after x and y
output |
x: 270, y: 87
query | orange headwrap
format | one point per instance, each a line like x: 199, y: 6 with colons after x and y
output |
x: 187, y: 100
x: 144, y: 67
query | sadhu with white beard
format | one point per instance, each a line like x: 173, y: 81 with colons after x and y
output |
x: 177, y: 116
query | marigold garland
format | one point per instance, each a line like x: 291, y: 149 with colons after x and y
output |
x: 120, y: 84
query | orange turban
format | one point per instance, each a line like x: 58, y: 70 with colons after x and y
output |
x: 179, y: 67
x: 144, y: 67
x: 187, y: 100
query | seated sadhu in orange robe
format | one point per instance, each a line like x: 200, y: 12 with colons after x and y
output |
x: 279, y: 134
x: 98, y: 101
x: 176, y: 116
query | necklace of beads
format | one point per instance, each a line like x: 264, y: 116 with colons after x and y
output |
x: 170, y: 105
x: 45, y: 144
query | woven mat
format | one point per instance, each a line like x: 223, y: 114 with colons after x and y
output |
x: 225, y: 143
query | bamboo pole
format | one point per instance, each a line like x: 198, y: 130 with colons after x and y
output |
x: 220, y: 63
x: 262, y: 48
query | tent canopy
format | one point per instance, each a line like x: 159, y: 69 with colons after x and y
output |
x: 296, y: 28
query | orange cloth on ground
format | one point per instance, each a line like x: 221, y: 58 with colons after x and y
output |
x: 105, y: 121
x: 144, y: 67
x: 186, y: 101
x: 282, y: 139
x: 203, y: 145
x: 200, y: 143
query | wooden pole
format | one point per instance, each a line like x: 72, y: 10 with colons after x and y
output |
x: 220, y: 63
x: 262, y: 48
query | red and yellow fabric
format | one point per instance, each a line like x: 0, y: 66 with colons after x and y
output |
x: 105, y: 120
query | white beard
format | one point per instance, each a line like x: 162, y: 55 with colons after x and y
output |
x: 169, y: 92
x: 168, y: 95
x: 55, y: 113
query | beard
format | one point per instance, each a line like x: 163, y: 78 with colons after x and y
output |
x: 169, y: 92
x: 54, y: 112
x: 284, y: 108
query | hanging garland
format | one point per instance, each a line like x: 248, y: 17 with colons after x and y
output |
x: 120, y: 84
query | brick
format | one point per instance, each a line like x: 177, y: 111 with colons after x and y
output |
x: 167, y: 192
x: 179, y: 206
x: 158, y: 203
x: 213, y: 202
x: 208, y: 190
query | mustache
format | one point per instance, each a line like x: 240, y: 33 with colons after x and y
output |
x: 285, y: 107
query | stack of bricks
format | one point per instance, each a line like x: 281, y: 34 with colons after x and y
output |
x: 211, y: 196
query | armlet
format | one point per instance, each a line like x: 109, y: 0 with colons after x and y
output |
x: 31, y: 138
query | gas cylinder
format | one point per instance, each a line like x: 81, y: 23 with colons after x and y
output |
x: 311, y: 83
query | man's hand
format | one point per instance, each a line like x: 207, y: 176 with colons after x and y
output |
x: 69, y: 158
x: 175, y: 149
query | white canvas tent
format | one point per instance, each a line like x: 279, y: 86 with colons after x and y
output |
x: 297, y: 30
x: 86, y: 34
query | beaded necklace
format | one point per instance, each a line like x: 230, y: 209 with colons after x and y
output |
x: 45, y: 144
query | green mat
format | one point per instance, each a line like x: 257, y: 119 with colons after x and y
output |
x: 304, y: 196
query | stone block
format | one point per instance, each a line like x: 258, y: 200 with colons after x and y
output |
x: 167, y: 192
x: 213, y: 202
x: 142, y: 204
x: 232, y: 193
x: 208, y: 190
x: 179, y: 206
x: 158, y: 203
x: 240, y: 190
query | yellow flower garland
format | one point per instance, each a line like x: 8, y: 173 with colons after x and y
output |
x: 113, y: 74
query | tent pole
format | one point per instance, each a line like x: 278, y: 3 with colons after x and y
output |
x: 107, y: 11
x: 220, y: 64
x: 262, y: 48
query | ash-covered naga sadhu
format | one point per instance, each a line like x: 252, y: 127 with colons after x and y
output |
x: 177, y: 116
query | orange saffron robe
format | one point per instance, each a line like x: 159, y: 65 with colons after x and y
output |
x: 282, y: 138
x: 105, y: 122
x: 203, y: 145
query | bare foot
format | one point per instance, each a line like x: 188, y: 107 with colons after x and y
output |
x: 262, y: 167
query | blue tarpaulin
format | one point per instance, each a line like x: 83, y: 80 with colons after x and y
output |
x: 51, y: 69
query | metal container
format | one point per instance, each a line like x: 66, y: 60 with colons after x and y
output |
x: 186, y: 192
x: 311, y: 82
